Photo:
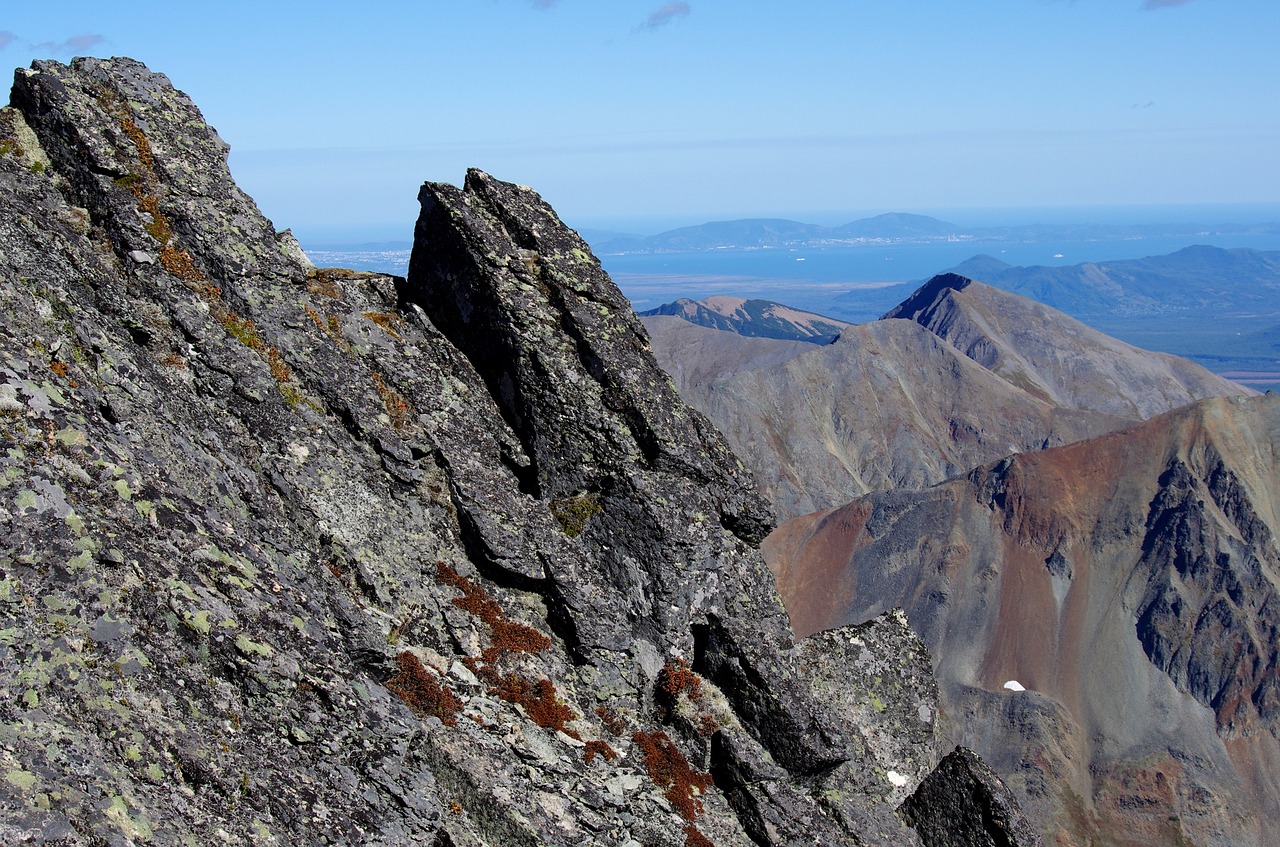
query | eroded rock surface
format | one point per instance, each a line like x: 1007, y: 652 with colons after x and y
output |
x: 316, y: 556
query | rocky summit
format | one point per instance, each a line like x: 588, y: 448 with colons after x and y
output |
x: 296, y: 555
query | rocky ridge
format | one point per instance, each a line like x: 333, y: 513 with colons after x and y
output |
x: 299, y: 555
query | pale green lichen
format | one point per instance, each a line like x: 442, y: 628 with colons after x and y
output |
x: 253, y: 648
x: 21, y: 779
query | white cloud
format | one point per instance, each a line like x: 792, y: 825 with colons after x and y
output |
x: 6, y: 38
x: 74, y: 44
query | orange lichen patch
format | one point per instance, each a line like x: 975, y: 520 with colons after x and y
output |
x: 671, y: 772
x: 321, y: 282
x: 693, y: 838
x: 180, y: 264
x: 387, y: 322
x: 315, y: 318
x: 279, y: 369
x: 420, y: 690
x: 676, y: 678
x: 60, y: 368
x: 598, y: 748
x: 398, y: 408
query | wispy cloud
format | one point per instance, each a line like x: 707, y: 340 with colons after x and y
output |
x: 1163, y: 4
x: 665, y: 15
x: 6, y: 38
x: 1146, y: 105
x: 543, y: 4
x: 74, y: 44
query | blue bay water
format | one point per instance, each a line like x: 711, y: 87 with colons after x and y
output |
x: 856, y: 281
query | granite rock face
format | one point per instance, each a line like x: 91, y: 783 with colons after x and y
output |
x: 316, y: 556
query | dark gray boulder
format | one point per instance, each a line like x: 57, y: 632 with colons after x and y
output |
x: 964, y: 804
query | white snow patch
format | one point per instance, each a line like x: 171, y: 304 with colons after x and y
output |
x: 1014, y: 685
x: 896, y: 778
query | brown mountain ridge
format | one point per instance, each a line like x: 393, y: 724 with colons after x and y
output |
x: 1128, y: 583
x: 959, y: 374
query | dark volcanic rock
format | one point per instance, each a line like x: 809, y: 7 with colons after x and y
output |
x: 318, y: 556
x: 964, y: 804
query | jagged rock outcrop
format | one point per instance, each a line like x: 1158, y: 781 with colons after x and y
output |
x: 1102, y: 617
x: 964, y: 804
x: 969, y: 374
x: 303, y: 556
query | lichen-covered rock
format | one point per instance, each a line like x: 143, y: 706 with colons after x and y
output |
x: 316, y: 556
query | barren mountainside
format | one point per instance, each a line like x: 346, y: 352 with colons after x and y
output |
x: 1128, y: 583
x: 958, y: 375
x: 314, y: 556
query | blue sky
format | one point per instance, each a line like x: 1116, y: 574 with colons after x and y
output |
x: 642, y: 114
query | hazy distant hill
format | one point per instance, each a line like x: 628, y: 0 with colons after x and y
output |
x: 753, y: 233
x: 1198, y: 280
x: 758, y: 318
x: 778, y: 232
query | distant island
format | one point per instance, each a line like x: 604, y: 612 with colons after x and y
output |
x: 891, y: 228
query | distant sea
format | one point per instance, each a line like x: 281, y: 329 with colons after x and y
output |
x: 856, y: 283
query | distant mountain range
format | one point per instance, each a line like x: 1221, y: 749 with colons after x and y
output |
x: 958, y: 374
x: 1199, y: 280
x: 757, y: 233
x: 1094, y: 574
x: 759, y: 318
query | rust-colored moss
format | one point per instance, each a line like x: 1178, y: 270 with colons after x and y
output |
x: 598, y: 748
x: 694, y: 838
x: 398, y: 409
x: 676, y: 678
x: 539, y: 699
x: 671, y: 772
x: 421, y: 691
x: 611, y: 720
x: 321, y: 282
x: 506, y: 635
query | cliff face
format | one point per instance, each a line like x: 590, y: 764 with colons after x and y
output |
x: 298, y: 555
x: 1128, y: 584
